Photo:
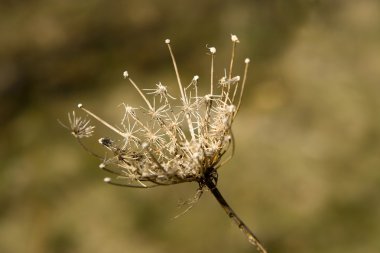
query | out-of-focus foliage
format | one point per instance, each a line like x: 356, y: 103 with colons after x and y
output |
x: 306, y: 174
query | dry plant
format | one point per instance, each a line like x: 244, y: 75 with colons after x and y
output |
x: 173, y: 140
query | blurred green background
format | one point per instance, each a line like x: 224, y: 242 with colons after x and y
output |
x: 306, y: 174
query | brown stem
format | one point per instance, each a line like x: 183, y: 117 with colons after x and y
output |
x: 247, y: 232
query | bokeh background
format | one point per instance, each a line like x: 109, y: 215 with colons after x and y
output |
x: 306, y: 174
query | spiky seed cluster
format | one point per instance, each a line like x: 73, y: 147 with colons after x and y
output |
x: 171, y: 139
x: 79, y: 127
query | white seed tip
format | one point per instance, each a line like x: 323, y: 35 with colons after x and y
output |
x: 80, y: 105
x: 234, y: 38
x: 237, y: 78
x: 212, y: 50
x: 107, y: 179
x: 167, y: 41
x: 144, y: 145
x: 231, y: 108
x: 102, y: 166
x: 247, y: 60
x: 125, y: 74
x: 195, y: 78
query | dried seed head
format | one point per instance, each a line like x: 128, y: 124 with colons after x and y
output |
x: 172, y: 139
x: 80, y: 128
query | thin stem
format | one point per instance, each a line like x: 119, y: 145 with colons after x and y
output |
x: 141, y: 93
x: 101, y: 120
x: 247, y: 232
x: 167, y: 41
x: 87, y: 150
x: 212, y: 74
x: 243, y: 85
x: 232, y: 59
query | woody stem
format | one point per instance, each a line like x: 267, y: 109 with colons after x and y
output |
x: 231, y: 214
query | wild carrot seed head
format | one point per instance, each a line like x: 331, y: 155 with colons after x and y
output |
x: 170, y: 139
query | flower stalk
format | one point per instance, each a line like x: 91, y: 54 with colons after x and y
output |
x: 252, y: 238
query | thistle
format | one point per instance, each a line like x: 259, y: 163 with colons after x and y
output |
x: 172, y: 140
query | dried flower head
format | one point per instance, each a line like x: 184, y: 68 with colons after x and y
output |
x: 173, y: 140
x: 79, y: 128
